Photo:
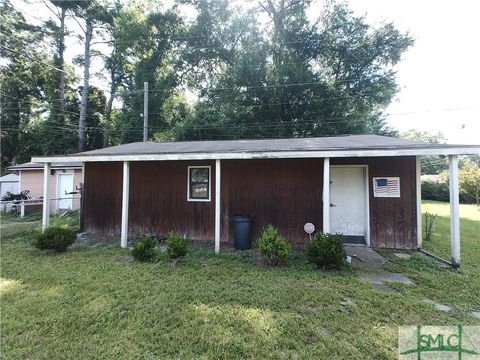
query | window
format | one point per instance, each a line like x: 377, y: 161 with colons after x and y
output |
x: 198, y: 183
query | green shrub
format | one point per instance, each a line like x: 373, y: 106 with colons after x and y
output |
x: 439, y: 191
x: 176, y: 246
x: 55, y: 238
x: 144, y: 250
x: 326, y: 250
x: 272, y: 246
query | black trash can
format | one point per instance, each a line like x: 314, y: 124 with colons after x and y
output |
x: 242, y: 225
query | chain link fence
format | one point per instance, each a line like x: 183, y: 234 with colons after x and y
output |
x: 22, y: 210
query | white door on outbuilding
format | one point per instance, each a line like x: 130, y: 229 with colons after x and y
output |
x: 64, y: 187
x: 349, y: 202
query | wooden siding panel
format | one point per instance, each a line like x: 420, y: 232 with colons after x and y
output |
x: 391, y: 204
x: 158, y: 200
x: 103, y: 197
x: 284, y: 192
x: 392, y: 220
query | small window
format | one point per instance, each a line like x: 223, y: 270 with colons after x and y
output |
x: 198, y: 183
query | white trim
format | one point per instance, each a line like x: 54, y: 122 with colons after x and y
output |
x: 262, y: 155
x: 53, y: 168
x: 367, y: 204
x: 454, y: 209
x: 125, y: 198
x: 326, y: 195
x: 209, y: 182
x: 418, y: 171
x: 217, y: 205
x: 46, y: 196
x: 20, y: 182
x: 367, y: 197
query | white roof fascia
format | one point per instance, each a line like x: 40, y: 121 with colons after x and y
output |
x: 262, y: 155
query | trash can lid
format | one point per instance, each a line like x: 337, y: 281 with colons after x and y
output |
x: 242, y: 218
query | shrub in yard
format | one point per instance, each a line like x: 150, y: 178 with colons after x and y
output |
x: 272, y: 246
x: 144, y: 250
x: 54, y: 238
x: 429, y: 220
x: 326, y: 250
x: 176, y: 246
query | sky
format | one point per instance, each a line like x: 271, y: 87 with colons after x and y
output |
x: 439, y: 77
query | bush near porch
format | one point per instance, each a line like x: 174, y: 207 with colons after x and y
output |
x: 90, y: 301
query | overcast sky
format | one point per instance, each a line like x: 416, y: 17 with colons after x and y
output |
x: 439, y: 76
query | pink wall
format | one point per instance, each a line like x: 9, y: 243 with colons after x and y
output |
x: 33, y: 180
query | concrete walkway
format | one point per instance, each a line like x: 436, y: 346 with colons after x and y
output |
x: 370, y: 270
x: 364, y: 257
x: 370, y: 265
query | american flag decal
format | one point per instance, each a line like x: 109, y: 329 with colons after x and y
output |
x: 386, y: 187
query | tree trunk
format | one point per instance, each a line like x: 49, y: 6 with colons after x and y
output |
x: 61, y: 50
x: 108, y: 109
x: 86, y: 84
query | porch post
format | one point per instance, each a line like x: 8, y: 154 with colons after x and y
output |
x: 454, y: 209
x: 46, y: 196
x: 217, y: 205
x: 125, y: 195
x: 419, y: 202
x: 326, y: 195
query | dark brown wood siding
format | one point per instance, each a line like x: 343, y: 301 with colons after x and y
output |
x: 393, y: 221
x: 284, y: 192
x: 103, y: 197
x: 158, y: 200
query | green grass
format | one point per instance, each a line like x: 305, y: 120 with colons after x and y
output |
x: 88, y: 303
x: 457, y: 288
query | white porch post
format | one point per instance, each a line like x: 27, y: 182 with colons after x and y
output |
x: 125, y: 195
x: 454, y: 209
x: 46, y: 196
x: 419, y: 202
x: 326, y: 195
x: 217, y: 205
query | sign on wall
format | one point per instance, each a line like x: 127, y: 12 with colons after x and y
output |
x: 386, y: 187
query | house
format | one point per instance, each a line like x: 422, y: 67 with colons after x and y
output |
x: 366, y: 187
x: 64, y: 178
x: 9, y: 183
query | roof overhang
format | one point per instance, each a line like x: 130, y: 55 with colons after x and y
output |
x: 342, y: 153
x: 41, y: 168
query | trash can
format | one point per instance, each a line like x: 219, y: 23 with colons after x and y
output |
x: 242, y: 225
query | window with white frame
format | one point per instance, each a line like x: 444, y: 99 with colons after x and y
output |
x: 198, y: 188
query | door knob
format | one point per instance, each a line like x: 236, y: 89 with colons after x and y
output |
x: 332, y: 205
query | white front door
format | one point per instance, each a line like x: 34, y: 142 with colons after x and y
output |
x: 64, y: 185
x: 348, y: 202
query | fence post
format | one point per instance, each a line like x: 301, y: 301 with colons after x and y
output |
x: 46, y: 196
x: 22, y: 208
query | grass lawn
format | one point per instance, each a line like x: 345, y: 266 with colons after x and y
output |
x: 89, y: 303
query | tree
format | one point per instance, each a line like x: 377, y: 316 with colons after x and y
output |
x: 94, y: 14
x: 146, y: 37
x: 23, y: 75
x: 294, y: 78
x: 430, y: 165
x: 470, y: 181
